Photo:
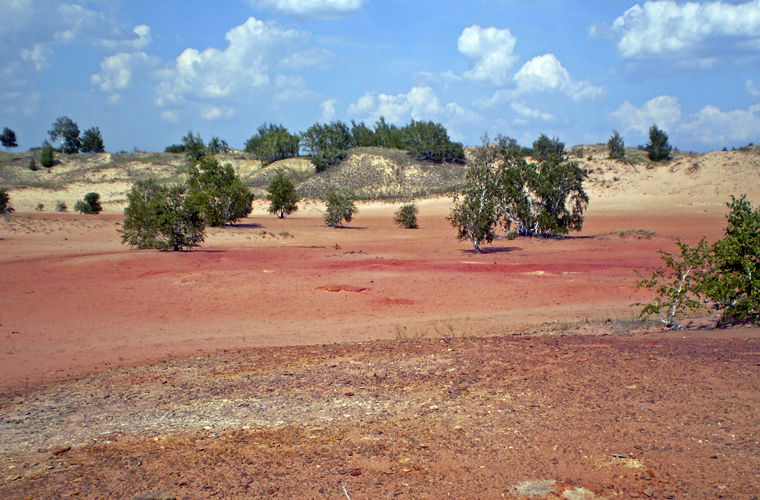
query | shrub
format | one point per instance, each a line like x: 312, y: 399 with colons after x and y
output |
x: 406, y: 216
x: 341, y: 206
x: 616, y: 147
x: 40, y: 207
x: 217, y: 145
x: 4, y: 201
x: 271, y: 143
x: 161, y: 217
x: 32, y: 164
x: 8, y: 138
x: 195, y: 149
x: 65, y: 129
x: 92, y: 141
x: 282, y: 195
x: 175, y: 149
x: 658, y: 148
x: 219, y: 192
x: 60, y: 206
x: 89, y: 205
x: 327, y: 144
x: 543, y: 148
x: 46, y: 155
x: 430, y: 141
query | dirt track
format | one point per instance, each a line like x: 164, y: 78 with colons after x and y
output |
x: 468, y: 410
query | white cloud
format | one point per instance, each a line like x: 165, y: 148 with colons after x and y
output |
x: 117, y: 71
x: 39, y: 56
x: 328, y: 109
x: 170, y: 116
x: 316, y: 8
x: 419, y: 103
x: 529, y: 113
x: 753, y: 88
x: 213, y: 113
x: 711, y: 126
x: 254, y: 48
x: 663, y: 111
x: 701, y: 31
x: 493, y: 51
x: 143, y: 39
x: 545, y: 73
x: 311, y: 58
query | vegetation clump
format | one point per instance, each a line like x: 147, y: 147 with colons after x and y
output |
x: 272, y: 143
x: 5, y: 200
x: 218, y: 191
x: 47, y: 158
x: 65, y: 129
x: 92, y: 141
x: 406, y: 216
x: 341, y: 206
x: 658, y: 148
x: 616, y: 147
x: 282, y: 195
x: 89, y: 205
x: 8, y: 138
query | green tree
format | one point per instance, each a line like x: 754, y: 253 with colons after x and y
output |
x: 161, y: 217
x: 8, y: 138
x: 92, y: 141
x: 47, y: 155
x: 65, y: 129
x: 658, y: 148
x: 217, y: 145
x: 219, y: 192
x: 89, y: 205
x: 272, y: 143
x: 616, y: 147
x: 282, y: 195
x: 4, y: 200
x: 406, y: 216
x: 327, y: 144
x: 175, y: 148
x: 341, y: 206
x: 195, y: 149
x: 389, y: 135
x: 362, y: 135
x: 543, y: 148
x: 430, y: 141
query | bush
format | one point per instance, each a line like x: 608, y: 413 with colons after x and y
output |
x: 217, y: 145
x: 92, y: 141
x: 60, y: 206
x: 272, y: 143
x: 341, y: 206
x: 724, y: 276
x: 219, y: 192
x: 327, y: 144
x: 658, y: 148
x: 32, y: 164
x: 65, y: 129
x: 195, y: 149
x: 430, y: 141
x: 161, y: 217
x: 282, y: 195
x: 616, y: 147
x: 40, y: 207
x: 8, y: 138
x: 543, y: 148
x: 4, y: 201
x: 406, y: 216
x: 90, y: 204
x: 175, y: 149
x: 46, y: 155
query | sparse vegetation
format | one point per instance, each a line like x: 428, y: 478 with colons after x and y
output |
x: 406, y: 216
x: 658, y: 148
x: 616, y: 147
x: 217, y: 145
x: 341, y: 206
x: 40, y: 207
x: 282, y: 195
x: 89, y: 205
x: 219, y: 192
x: 60, y: 206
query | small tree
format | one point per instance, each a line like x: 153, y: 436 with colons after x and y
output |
x: 65, y: 129
x: 219, y: 191
x: 272, y: 143
x: 543, y: 148
x: 4, y: 200
x: 195, y: 149
x: 161, y: 217
x: 389, y: 135
x: 616, y: 147
x: 8, y: 138
x: 92, y: 141
x: 658, y: 148
x: 362, y: 135
x: 32, y: 164
x: 282, y: 195
x: 60, y: 206
x: 327, y: 144
x: 217, y: 145
x: 90, y: 204
x: 341, y: 206
x: 430, y: 141
x: 47, y: 158
x: 406, y: 216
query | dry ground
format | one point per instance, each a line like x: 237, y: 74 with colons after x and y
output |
x: 293, y: 360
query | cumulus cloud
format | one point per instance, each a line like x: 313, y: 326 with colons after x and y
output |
x: 711, y: 126
x: 170, y: 116
x: 315, y: 8
x: 753, y: 88
x: 328, y: 109
x: 493, y: 51
x: 419, y: 103
x: 546, y: 74
x: 528, y: 113
x: 212, y: 113
x: 38, y: 56
x: 142, y: 39
x: 253, y: 49
x: 664, y: 111
x: 117, y: 71
x: 696, y: 31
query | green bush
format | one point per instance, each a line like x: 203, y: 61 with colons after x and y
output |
x: 8, y: 138
x: 4, y: 201
x: 46, y: 155
x: 195, y: 149
x: 92, y: 141
x: 60, y: 206
x: 406, y: 216
x: 327, y: 144
x: 65, y: 129
x: 430, y: 141
x: 658, y: 148
x: 616, y: 147
x: 282, y: 195
x: 89, y: 205
x: 175, y: 149
x: 217, y: 145
x: 271, y: 143
x: 544, y: 148
x: 341, y: 206
x: 32, y: 164
x: 219, y: 192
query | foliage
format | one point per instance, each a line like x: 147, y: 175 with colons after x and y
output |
x: 327, y: 144
x: 217, y: 145
x: 362, y: 135
x: 4, y: 200
x: 46, y: 155
x: 616, y: 146
x: 92, y: 141
x: 219, y: 192
x: 543, y: 148
x: 658, y: 148
x: 65, y: 129
x: 723, y: 276
x: 406, y: 216
x: 341, y: 206
x: 175, y: 148
x: 389, y: 136
x: 60, y: 206
x: 33, y: 164
x: 195, y: 149
x: 272, y: 143
x: 430, y: 141
x: 8, y: 138
x: 89, y: 205
x: 161, y: 217
x: 282, y: 195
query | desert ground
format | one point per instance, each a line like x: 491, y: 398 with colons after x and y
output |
x: 286, y: 359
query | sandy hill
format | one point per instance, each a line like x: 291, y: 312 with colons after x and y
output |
x: 688, y: 180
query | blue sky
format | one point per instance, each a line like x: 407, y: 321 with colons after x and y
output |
x: 147, y: 71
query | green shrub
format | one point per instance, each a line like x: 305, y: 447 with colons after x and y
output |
x: 616, y: 147
x: 4, y: 201
x: 430, y: 141
x: 40, y: 207
x: 271, y: 143
x: 282, y: 195
x: 341, y: 206
x: 175, y: 149
x: 46, y: 155
x: 406, y: 216
x: 218, y: 191
x: 90, y: 204
x: 658, y: 148
x: 92, y: 141
x: 32, y: 164
x: 60, y: 206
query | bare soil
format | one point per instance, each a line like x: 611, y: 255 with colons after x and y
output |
x: 288, y: 359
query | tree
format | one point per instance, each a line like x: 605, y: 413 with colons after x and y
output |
x: 195, y: 149
x: 430, y: 141
x: 724, y: 276
x: 543, y: 148
x: 282, y: 195
x: 219, y: 192
x: 92, y: 141
x: 8, y: 138
x: 46, y: 155
x: 388, y: 136
x: 89, y: 205
x: 406, y: 216
x: 65, y: 129
x: 362, y: 135
x: 616, y: 147
x: 161, y: 217
x: 327, y: 144
x: 217, y: 145
x: 4, y: 201
x: 658, y: 148
x: 272, y: 143
x: 341, y: 206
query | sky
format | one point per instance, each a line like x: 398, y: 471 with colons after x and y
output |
x: 147, y: 71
